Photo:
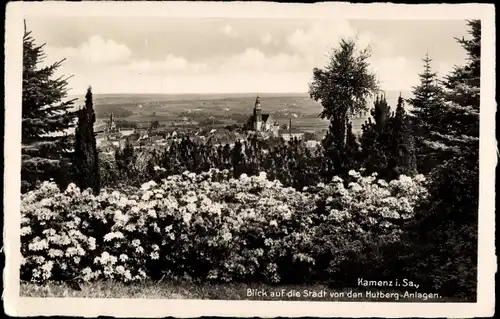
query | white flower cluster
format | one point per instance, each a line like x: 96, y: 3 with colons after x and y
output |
x: 234, y: 225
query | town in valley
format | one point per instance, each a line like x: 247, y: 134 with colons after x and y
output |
x: 155, y: 120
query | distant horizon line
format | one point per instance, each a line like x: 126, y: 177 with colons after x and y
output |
x: 195, y: 93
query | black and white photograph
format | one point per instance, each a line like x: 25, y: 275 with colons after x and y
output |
x: 323, y: 158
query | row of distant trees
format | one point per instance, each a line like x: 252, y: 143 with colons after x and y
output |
x: 117, y: 111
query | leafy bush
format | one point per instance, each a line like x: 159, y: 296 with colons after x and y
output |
x: 211, y: 226
x: 298, y: 165
x: 442, y: 241
x: 355, y: 221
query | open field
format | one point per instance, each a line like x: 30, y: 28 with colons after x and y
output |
x: 233, y: 291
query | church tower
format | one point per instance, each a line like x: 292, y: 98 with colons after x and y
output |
x: 257, y: 113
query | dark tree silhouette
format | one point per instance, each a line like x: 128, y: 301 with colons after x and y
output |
x: 343, y: 87
x: 86, y: 157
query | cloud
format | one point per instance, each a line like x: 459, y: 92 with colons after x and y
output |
x: 99, y: 50
x: 395, y: 73
x: 214, y: 82
x: 229, y: 31
x: 400, y: 73
x: 315, y: 41
x: 314, y: 44
x: 251, y: 60
x: 170, y: 63
x: 254, y: 60
x: 267, y: 38
x: 95, y: 50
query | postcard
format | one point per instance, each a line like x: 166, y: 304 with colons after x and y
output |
x: 243, y: 159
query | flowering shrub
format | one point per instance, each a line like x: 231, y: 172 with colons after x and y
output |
x: 209, y: 226
x: 363, y: 216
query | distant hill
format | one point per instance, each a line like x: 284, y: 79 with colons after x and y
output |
x: 103, y: 99
x: 144, y: 98
x: 230, y: 108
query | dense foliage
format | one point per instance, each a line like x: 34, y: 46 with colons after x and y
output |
x: 292, y: 163
x: 427, y: 102
x: 443, y: 239
x: 213, y: 227
x: 343, y: 87
x: 387, y: 143
x: 86, y: 160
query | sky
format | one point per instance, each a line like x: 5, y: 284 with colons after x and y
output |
x: 228, y: 55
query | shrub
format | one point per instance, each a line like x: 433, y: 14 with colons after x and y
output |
x: 211, y: 226
x: 355, y: 221
x: 443, y: 239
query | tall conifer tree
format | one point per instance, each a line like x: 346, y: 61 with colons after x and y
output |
x: 403, y: 159
x: 459, y: 130
x: 374, y: 139
x: 428, y: 96
x: 444, y: 232
x: 86, y: 157
x: 47, y: 117
x: 427, y: 110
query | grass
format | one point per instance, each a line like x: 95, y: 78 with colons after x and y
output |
x: 186, y: 290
